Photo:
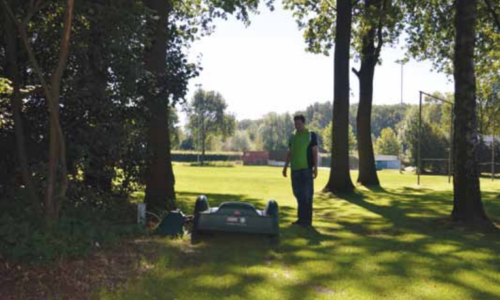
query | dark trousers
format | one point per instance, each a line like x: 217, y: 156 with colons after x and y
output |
x: 303, y: 189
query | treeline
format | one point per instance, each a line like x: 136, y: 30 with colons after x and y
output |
x: 273, y: 130
x: 394, y: 132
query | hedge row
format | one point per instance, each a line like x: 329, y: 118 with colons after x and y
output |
x: 208, y: 152
x: 192, y: 157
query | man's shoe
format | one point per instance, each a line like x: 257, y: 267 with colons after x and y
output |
x: 298, y: 222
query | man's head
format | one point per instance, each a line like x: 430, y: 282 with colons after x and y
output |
x: 300, y: 122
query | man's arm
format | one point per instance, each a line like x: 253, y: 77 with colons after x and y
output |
x: 287, y: 161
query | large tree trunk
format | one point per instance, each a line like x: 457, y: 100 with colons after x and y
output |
x: 160, y: 192
x: 467, y: 204
x: 11, y: 42
x: 369, y: 56
x: 367, y: 171
x: 340, y: 177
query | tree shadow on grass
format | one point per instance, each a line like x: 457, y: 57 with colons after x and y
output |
x: 407, y: 223
x: 384, y: 243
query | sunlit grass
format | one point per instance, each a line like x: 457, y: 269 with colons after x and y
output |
x: 387, y: 243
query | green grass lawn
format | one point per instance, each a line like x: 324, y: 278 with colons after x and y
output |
x: 387, y: 243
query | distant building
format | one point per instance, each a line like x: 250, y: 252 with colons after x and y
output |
x: 391, y: 162
x: 277, y: 158
x: 255, y: 158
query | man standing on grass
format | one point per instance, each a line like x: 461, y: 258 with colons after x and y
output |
x: 303, y: 155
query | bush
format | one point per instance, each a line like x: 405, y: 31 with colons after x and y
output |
x: 193, y: 156
x: 81, y: 228
x: 217, y: 164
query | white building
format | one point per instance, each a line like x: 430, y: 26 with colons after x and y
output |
x: 387, y: 162
x: 488, y: 140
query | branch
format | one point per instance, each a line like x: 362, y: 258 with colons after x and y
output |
x: 34, y: 91
x: 493, y: 13
x: 11, y: 14
x: 355, y: 72
x: 63, y: 54
x: 379, y: 31
x: 34, y: 62
x: 34, y: 8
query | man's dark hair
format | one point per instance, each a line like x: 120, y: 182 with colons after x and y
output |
x: 299, y: 117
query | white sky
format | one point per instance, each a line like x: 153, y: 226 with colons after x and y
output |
x: 264, y: 68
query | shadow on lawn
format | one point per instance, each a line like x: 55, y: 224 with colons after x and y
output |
x: 420, y: 212
x: 381, y: 247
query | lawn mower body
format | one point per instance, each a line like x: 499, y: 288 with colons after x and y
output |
x: 239, y: 217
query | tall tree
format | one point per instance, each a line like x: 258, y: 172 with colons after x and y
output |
x: 384, y: 116
x: 340, y: 176
x: 454, y: 27
x: 387, y: 143
x: 174, y: 24
x: 379, y: 24
x: 240, y: 142
x: 275, y: 131
x: 376, y: 22
x: 374, y: 10
x: 327, y: 135
x: 433, y: 143
x: 467, y: 204
x: 57, y: 179
x: 324, y: 20
x: 160, y: 192
x: 208, y: 117
x: 13, y: 72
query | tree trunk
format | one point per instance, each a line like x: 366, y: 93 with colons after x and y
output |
x: 57, y: 155
x: 160, y: 192
x: 467, y: 204
x: 369, y: 56
x: 340, y: 177
x: 50, y: 192
x: 16, y: 102
x: 56, y: 185
x: 367, y: 171
x: 170, y: 171
x: 203, y: 143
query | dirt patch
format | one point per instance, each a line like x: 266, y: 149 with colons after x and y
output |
x: 75, y: 278
x: 323, y: 290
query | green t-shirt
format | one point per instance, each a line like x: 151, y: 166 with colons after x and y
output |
x: 301, y: 144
